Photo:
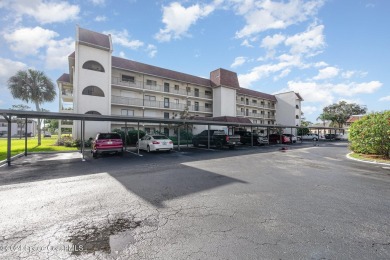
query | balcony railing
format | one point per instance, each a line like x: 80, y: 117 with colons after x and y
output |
x: 156, y: 104
x: 159, y: 88
x: 118, y: 81
x: 66, y: 92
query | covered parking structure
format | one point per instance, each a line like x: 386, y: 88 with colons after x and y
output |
x: 8, y: 114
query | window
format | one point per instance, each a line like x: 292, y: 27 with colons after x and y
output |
x: 296, y: 117
x: 177, y: 87
x: 166, y: 102
x: 254, y: 111
x: 93, y: 65
x: 147, y: 130
x: 207, y: 105
x: 127, y: 112
x: 254, y: 121
x: 128, y: 128
x: 196, y: 106
x: 151, y: 98
x: 208, y: 93
x: 262, y: 112
x: 176, y: 101
x: 196, y: 92
x: 93, y: 113
x: 188, y: 102
x: 247, y: 101
x: 296, y: 106
x: 166, y: 87
x: 188, y: 89
x: 127, y: 78
x: 242, y: 99
x: 151, y: 82
x: 93, y: 91
x: 254, y: 101
x: 166, y: 115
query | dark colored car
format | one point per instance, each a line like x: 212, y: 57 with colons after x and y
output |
x: 218, y: 138
x: 330, y: 136
x: 276, y: 139
x: 107, y: 143
x: 246, y: 138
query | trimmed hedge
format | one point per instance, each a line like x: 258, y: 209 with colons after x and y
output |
x: 371, y: 134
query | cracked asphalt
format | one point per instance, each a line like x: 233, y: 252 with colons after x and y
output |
x: 250, y: 203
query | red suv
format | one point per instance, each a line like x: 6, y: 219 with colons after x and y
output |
x: 107, y: 143
x: 276, y: 138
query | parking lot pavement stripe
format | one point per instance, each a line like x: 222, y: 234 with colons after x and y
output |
x: 134, y: 153
x: 204, y: 149
x: 332, y: 159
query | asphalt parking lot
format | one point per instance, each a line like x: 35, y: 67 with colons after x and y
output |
x: 305, y: 202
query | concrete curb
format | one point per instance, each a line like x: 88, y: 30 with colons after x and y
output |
x: 364, y: 161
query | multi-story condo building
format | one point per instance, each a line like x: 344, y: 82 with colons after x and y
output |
x: 18, y: 127
x: 99, y: 83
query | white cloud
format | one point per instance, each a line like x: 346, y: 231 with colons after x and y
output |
x: 98, y: 2
x: 100, y: 18
x: 320, y: 64
x: 123, y: 38
x: 178, y: 19
x: 264, y: 15
x: 270, y: 42
x: 327, y: 73
x: 354, y: 88
x: 246, y: 43
x: 57, y: 53
x: 28, y: 41
x: 386, y: 98
x: 122, y: 55
x: 8, y: 68
x: 309, y: 110
x: 283, y: 74
x: 309, y: 42
x: 43, y: 11
x: 152, y: 50
x: 238, y: 62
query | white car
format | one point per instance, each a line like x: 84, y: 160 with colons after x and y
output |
x: 155, y: 143
x: 311, y: 137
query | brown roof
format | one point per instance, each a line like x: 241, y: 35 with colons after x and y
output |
x: 64, y: 78
x: 222, y: 77
x: 94, y: 38
x: 249, y: 92
x: 354, y: 118
x: 157, y: 71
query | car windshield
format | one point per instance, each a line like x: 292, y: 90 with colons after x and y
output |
x: 157, y: 137
x: 109, y: 136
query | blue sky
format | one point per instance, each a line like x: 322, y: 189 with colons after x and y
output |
x: 327, y: 50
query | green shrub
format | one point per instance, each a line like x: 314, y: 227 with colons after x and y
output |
x: 371, y: 134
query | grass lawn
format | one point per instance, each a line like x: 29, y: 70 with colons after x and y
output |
x: 17, y: 146
x: 370, y: 157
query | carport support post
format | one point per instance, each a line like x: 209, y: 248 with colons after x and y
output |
x: 8, y: 140
x: 125, y: 136
x: 83, y: 139
x: 178, y: 137
x: 187, y: 135
x: 291, y: 132
x: 208, y: 136
x: 138, y: 139
x: 25, y: 137
x: 318, y: 134
x: 251, y: 136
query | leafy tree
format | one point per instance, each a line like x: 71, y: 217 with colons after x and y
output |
x: 323, y: 118
x: 32, y: 86
x: 304, y: 130
x: 20, y: 121
x: 371, y: 134
x: 340, y: 112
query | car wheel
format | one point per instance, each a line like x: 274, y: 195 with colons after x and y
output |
x: 231, y: 147
x: 148, y: 149
x: 94, y: 155
x: 218, y: 144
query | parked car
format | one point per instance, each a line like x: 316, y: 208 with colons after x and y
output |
x: 311, y: 137
x: 218, y: 138
x: 330, y: 136
x: 47, y: 134
x: 246, y: 138
x: 276, y: 138
x: 107, y: 143
x: 341, y: 137
x: 292, y: 137
x: 151, y: 143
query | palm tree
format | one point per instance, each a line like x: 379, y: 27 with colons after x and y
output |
x: 32, y: 86
x: 323, y: 118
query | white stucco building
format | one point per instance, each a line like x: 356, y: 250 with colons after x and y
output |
x: 18, y: 127
x: 100, y: 83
